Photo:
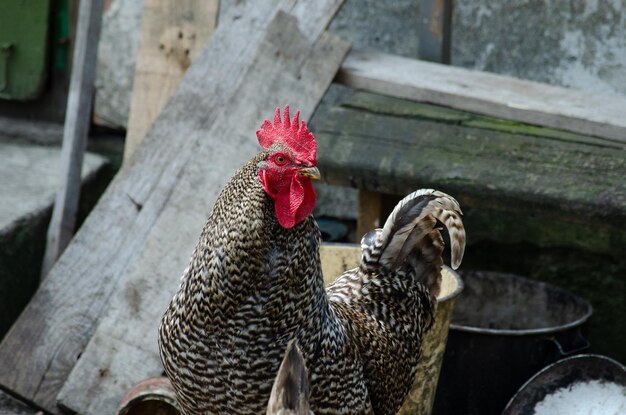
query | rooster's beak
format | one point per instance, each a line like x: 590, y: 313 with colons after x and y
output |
x: 311, y: 172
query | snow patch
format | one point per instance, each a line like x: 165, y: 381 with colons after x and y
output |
x: 585, y: 398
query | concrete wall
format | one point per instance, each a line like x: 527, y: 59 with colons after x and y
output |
x: 119, y: 39
x: 580, y: 44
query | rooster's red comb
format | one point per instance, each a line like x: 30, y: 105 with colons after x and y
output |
x: 291, y: 133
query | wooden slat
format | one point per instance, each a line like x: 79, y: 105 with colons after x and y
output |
x: 42, y: 347
x: 286, y: 69
x: 514, y: 186
x: 369, y: 216
x: 435, y: 30
x: 11, y: 406
x: 486, y: 93
x: 173, y: 33
x: 77, y: 118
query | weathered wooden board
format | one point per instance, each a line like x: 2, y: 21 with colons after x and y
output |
x: 42, y: 347
x: 286, y: 69
x: 11, y: 406
x: 554, y: 189
x: 435, y: 30
x: 487, y: 93
x: 173, y: 33
x: 75, y: 131
x: 370, y: 212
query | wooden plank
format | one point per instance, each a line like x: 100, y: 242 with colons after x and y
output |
x: 42, y: 347
x: 11, y: 406
x: 370, y: 209
x: 77, y: 118
x: 435, y: 30
x: 549, y: 190
x: 287, y: 68
x: 173, y: 32
x: 486, y: 93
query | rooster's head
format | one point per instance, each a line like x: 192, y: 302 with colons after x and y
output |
x: 286, y: 172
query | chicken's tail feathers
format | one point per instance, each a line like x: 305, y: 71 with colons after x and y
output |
x: 411, y: 221
x: 290, y: 393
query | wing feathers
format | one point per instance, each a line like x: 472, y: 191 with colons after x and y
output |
x: 412, y: 219
x: 290, y: 393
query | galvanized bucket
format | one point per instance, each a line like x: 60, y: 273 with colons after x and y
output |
x: 154, y: 396
x: 505, y: 328
x: 564, y: 374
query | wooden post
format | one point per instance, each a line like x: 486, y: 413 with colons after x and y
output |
x: 370, y: 209
x: 75, y: 132
x: 435, y: 30
x: 173, y: 33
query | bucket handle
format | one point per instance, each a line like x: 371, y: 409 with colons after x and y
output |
x: 563, y: 352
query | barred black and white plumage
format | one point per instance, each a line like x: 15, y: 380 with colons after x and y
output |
x: 253, y: 285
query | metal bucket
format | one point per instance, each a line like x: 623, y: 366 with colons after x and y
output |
x: 154, y: 396
x: 505, y: 328
x: 422, y: 395
x: 337, y: 258
x: 564, y: 374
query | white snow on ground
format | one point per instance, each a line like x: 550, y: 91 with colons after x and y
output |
x: 585, y: 398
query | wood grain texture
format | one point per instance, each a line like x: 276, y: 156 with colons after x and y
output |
x: 11, y: 406
x: 551, y: 190
x: 39, y: 352
x: 435, y: 30
x: 487, y: 93
x: 75, y: 130
x: 173, y: 33
x: 286, y: 68
x: 369, y: 215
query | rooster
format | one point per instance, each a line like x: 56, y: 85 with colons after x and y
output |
x: 254, y: 283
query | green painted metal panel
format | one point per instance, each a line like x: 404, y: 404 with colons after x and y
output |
x: 24, y: 28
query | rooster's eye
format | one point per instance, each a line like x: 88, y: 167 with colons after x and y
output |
x: 280, y: 160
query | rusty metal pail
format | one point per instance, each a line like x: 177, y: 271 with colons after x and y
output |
x: 504, y: 329
x: 572, y: 371
x: 154, y: 396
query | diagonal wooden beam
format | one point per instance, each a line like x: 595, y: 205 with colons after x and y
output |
x: 77, y: 118
x: 173, y: 33
x: 286, y: 68
x: 41, y: 349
